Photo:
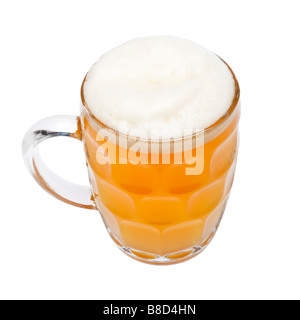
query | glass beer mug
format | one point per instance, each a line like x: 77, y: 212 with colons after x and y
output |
x: 154, y: 212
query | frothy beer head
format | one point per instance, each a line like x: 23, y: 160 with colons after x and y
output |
x: 159, y: 87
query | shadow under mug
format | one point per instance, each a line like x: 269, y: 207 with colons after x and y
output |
x: 155, y: 213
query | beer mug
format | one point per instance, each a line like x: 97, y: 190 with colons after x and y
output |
x: 154, y: 212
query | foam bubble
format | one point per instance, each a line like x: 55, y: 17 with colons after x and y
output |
x: 159, y: 85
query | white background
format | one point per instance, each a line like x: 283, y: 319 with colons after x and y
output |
x: 50, y: 250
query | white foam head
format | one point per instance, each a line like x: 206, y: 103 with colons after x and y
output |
x: 159, y: 85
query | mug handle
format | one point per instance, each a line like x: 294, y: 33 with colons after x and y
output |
x: 56, y: 126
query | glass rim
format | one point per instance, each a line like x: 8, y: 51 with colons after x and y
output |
x: 207, y: 130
